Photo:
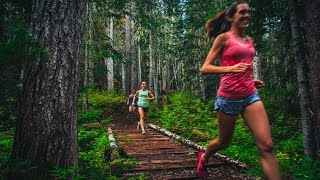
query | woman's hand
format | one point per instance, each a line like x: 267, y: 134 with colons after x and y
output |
x: 240, y: 67
x: 258, y: 83
x: 150, y: 99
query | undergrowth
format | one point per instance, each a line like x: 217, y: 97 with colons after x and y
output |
x: 94, y: 147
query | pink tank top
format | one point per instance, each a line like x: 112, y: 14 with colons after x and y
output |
x: 237, y: 85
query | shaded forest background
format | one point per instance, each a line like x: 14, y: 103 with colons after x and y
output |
x: 163, y: 42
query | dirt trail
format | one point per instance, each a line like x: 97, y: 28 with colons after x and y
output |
x: 162, y: 158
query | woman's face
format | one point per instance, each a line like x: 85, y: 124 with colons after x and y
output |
x: 143, y: 85
x: 242, y: 17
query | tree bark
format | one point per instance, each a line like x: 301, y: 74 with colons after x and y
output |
x: 139, y: 63
x: 110, y: 72
x: 46, y: 131
x: 313, y: 38
x: 128, y: 52
x: 151, y: 62
x: 257, y: 66
x: 303, y: 83
x: 134, y: 71
x: 202, y: 84
x: 87, y: 68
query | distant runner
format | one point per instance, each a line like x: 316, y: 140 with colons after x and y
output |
x: 131, y: 108
x: 143, y: 103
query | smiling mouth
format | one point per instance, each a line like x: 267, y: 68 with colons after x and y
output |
x: 246, y: 21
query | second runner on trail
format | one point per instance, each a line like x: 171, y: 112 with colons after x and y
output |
x: 144, y: 96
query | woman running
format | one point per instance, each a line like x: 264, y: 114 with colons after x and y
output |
x: 237, y: 93
x: 131, y: 108
x: 143, y: 96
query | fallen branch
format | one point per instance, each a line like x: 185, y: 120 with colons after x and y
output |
x: 114, y: 150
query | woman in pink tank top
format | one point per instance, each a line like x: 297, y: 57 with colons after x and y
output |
x: 237, y: 91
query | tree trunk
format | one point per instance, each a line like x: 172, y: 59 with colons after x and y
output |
x: 46, y: 129
x: 139, y: 63
x: 152, y: 64
x: 134, y: 72
x: 156, y: 82
x: 123, y: 76
x: 168, y: 75
x: 313, y: 37
x: 257, y: 66
x: 85, y: 82
x: 164, y: 66
x: 110, y: 72
x: 86, y: 59
x: 303, y: 83
x: 128, y: 52
x: 202, y: 84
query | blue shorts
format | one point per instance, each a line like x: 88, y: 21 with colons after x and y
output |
x: 145, y: 109
x: 234, y: 107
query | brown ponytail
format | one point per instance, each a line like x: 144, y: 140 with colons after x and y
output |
x: 219, y: 23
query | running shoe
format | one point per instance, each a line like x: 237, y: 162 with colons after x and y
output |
x: 202, y: 166
x: 143, y: 132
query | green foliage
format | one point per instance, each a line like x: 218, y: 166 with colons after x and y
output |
x: 189, y: 117
x: 143, y: 177
x: 310, y: 169
x: 22, y: 44
x: 62, y: 174
x: 120, y: 165
x: 94, y: 146
x: 90, y: 116
x: 140, y: 177
x: 102, y: 98
x: 94, y: 154
x: 87, y: 137
x: 6, y: 142
x: 91, y: 156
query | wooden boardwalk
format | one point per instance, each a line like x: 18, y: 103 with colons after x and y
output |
x: 163, y: 158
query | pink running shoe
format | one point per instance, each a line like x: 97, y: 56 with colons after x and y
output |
x: 202, y: 166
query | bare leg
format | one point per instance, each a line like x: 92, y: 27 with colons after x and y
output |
x: 258, y: 123
x: 142, y: 116
x: 134, y: 112
x: 130, y: 113
x: 226, y: 124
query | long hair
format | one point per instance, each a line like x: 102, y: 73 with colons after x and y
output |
x: 219, y: 23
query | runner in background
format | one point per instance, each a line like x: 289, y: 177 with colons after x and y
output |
x: 131, y: 107
x: 144, y: 96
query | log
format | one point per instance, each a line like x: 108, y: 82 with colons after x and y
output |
x: 113, y: 145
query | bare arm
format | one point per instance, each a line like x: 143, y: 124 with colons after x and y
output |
x: 135, y: 96
x: 128, y: 100
x: 150, y: 94
x: 218, y: 45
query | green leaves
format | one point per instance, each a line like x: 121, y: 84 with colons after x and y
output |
x: 188, y: 117
x: 6, y: 142
x: 62, y: 174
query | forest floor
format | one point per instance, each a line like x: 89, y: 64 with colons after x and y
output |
x: 161, y: 157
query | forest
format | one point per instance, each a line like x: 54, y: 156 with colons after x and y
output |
x: 69, y: 64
